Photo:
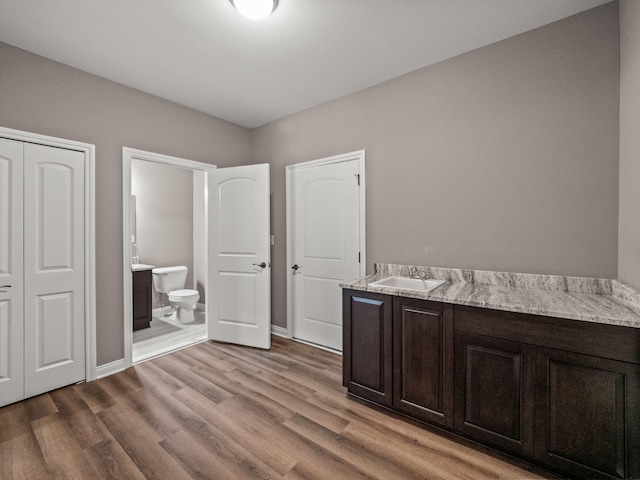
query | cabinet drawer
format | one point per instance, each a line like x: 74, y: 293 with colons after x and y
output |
x: 601, y: 340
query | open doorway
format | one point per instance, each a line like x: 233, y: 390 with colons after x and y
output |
x: 165, y: 225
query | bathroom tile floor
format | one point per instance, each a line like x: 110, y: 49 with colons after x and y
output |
x: 166, y: 334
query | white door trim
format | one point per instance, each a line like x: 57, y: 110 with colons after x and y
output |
x: 346, y: 157
x: 129, y: 154
x: 89, y: 232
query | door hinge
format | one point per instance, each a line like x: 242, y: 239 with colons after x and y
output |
x: 357, y: 175
x: 359, y: 257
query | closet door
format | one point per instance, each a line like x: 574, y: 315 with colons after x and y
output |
x: 11, y: 280
x: 53, y: 268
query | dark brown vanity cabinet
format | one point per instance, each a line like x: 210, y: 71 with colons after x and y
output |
x: 142, y: 294
x: 367, y: 345
x: 423, y: 360
x: 564, y: 394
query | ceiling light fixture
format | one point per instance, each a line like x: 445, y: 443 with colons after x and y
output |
x: 255, y: 9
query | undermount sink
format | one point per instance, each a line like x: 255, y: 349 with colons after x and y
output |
x: 407, y: 283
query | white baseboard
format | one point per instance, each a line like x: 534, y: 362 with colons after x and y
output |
x: 279, y: 331
x: 110, y: 368
x: 315, y: 345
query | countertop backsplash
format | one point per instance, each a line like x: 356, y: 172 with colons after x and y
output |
x: 597, y: 286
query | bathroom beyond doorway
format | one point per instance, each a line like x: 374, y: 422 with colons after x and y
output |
x: 164, y: 207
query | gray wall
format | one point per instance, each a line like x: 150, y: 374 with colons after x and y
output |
x: 509, y: 154
x: 164, y: 216
x: 505, y: 158
x: 629, y: 233
x: 42, y: 96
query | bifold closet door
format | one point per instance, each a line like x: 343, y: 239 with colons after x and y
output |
x: 11, y: 276
x: 42, y: 338
x: 53, y: 268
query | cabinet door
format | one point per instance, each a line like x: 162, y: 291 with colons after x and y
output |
x: 367, y: 345
x: 587, y: 415
x: 494, y: 392
x: 142, y: 296
x: 423, y: 360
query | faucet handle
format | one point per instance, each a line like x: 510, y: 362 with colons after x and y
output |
x: 415, y: 272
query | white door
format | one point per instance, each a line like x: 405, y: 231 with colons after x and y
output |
x: 53, y: 268
x: 324, y: 211
x: 11, y: 281
x: 240, y: 279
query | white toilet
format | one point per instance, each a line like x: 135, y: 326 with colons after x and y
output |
x: 170, y: 280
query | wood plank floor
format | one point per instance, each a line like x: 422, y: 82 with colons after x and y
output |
x: 217, y: 411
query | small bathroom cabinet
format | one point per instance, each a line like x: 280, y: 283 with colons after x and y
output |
x: 142, y: 296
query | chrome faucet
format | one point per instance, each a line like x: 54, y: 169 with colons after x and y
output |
x: 415, y: 273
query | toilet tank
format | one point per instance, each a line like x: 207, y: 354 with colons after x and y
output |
x: 168, y: 279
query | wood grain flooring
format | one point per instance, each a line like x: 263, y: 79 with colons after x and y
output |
x: 217, y: 411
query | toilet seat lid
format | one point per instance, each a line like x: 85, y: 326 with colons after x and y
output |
x: 183, y: 293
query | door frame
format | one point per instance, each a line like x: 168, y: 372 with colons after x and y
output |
x: 88, y: 150
x: 128, y: 155
x: 358, y: 155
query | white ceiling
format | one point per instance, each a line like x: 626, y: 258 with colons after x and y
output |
x: 203, y: 54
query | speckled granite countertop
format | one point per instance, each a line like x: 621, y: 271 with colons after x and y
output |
x: 576, y: 298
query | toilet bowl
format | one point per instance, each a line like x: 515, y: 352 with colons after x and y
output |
x: 171, y: 280
x: 184, y: 301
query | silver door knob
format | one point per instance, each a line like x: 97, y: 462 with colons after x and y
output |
x: 261, y: 265
x: 295, y: 267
